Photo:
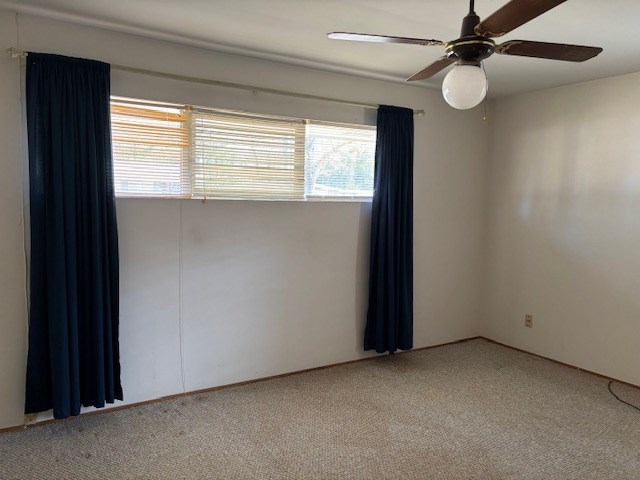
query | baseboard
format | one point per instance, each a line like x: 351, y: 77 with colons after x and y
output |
x: 12, y: 429
x: 220, y: 387
x: 298, y: 372
x: 606, y: 377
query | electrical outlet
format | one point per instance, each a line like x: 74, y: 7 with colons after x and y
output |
x: 528, y: 321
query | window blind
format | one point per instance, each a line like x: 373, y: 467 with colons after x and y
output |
x: 166, y: 150
x: 149, y: 150
x: 244, y: 156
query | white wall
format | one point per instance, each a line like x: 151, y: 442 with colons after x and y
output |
x: 13, y: 321
x: 250, y: 289
x: 565, y: 225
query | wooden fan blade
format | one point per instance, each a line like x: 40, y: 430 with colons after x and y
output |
x: 512, y: 15
x: 552, y: 51
x: 365, y: 37
x: 431, y: 70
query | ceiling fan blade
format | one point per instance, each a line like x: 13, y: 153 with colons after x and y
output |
x: 365, y: 37
x: 512, y: 15
x: 552, y: 51
x: 431, y: 70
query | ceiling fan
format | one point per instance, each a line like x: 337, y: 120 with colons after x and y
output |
x: 466, y: 85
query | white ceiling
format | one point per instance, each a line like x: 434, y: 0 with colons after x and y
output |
x: 294, y: 31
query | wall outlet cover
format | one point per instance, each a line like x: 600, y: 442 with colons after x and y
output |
x: 528, y: 321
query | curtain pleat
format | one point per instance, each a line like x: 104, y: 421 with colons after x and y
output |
x: 390, y: 311
x: 73, y: 357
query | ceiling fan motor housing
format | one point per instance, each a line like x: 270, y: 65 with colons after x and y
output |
x: 470, y: 48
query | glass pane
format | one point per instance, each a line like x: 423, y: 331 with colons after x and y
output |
x: 339, y: 160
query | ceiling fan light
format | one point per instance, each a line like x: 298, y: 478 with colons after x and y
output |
x: 465, y: 86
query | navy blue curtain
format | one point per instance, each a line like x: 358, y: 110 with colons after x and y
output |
x: 390, y: 312
x: 73, y: 356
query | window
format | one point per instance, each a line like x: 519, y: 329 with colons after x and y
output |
x: 162, y: 150
x: 238, y: 156
x: 149, y: 150
x: 339, y: 160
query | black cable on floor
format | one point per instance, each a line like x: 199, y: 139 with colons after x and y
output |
x: 620, y: 400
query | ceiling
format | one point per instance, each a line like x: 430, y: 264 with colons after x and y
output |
x: 294, y: 31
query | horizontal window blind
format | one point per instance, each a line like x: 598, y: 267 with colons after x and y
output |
x: 339, y: 160
x: 164, y: 150
x: 149, y: 150
x: 237, y: 156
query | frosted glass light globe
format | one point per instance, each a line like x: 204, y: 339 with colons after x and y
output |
x: 465, y: 86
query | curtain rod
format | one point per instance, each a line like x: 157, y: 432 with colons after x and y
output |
x: 15, y: 53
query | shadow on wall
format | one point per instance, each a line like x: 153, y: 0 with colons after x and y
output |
x: 582, y: 192
x: 270, y: 287
x: 362, y: 275
x: 566, y: 233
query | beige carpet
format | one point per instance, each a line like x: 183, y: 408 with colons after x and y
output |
x: 473, y: 410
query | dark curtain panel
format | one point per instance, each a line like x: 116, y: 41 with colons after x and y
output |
x: 73, y: 325
x: 390, y: 313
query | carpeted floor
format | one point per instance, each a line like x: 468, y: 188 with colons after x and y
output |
x: 472, y: 410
